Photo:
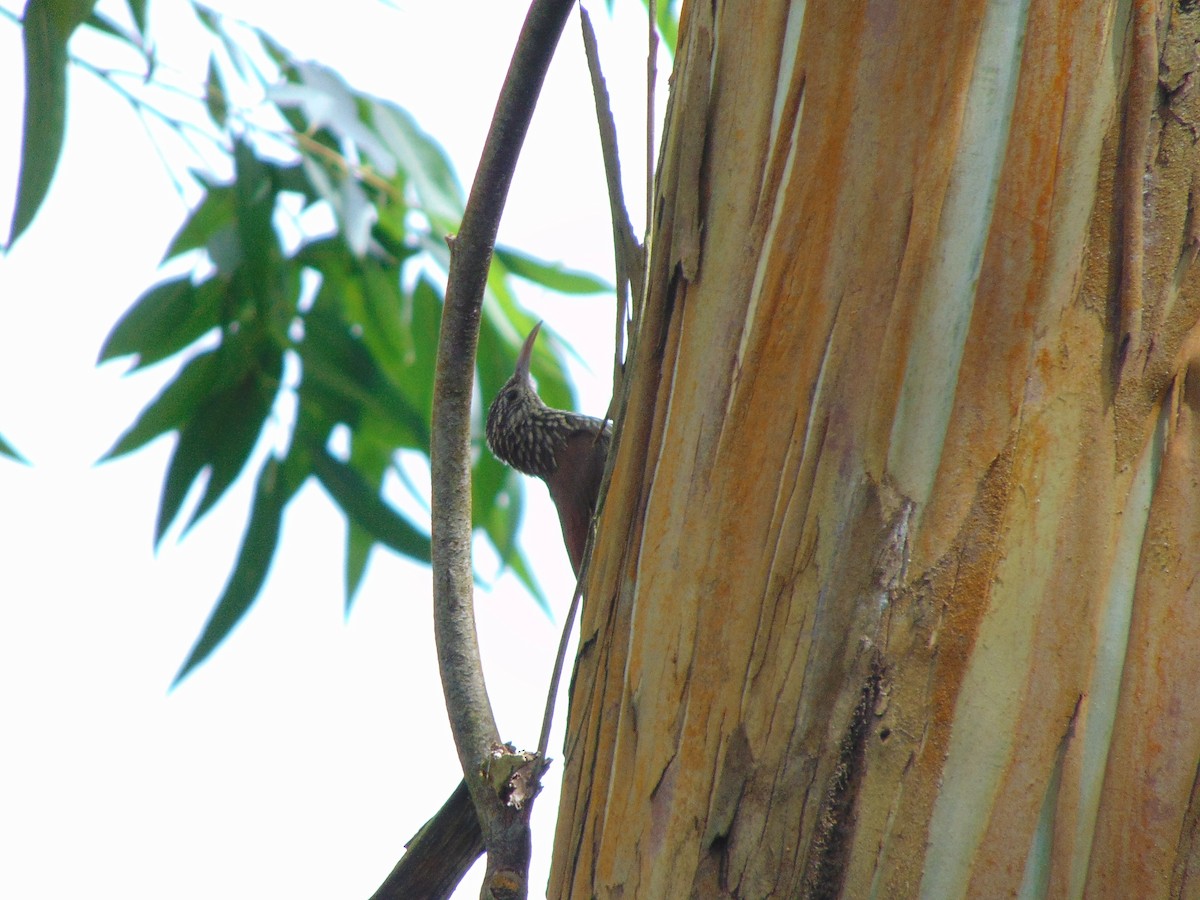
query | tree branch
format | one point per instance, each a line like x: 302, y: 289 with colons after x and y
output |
x: 630, y: 256
x: 438, y: 855
x: 504, y: 820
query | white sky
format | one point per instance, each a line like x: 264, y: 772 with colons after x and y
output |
x: 298, y: 760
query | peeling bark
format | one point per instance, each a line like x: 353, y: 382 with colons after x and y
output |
x: 892, y: 587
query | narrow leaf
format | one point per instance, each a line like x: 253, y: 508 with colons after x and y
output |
x: 255, y: 206
x: 326, y: 101
x: 214, y: 93
x: 45, y: 39
x: 342, y: 377
x: 210, y: 20
x: 214, y: 214
x: 423, y: 160
x: 363, y: 504
x: 219, y: 438
x: 107, y: 26
x: 137, y: 9
x: 500, y: 518
x: 555, y: 277
x: 237, y: 422
x: 187, y: 462
x: 173, y: 407
x: 7, y: 449
x: 272, y: 494
x: 294, y: 179
x: 519, y: 564
x: 422, y: 334
x: 371, y: 461
x: 359, y: 544
x: 165, y: 320
x: 668, y: 23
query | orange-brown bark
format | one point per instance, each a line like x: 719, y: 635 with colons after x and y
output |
x: 893, y: 586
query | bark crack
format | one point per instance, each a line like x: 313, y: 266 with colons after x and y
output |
x: 829, y: 852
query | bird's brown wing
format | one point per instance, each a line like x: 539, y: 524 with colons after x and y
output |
x: 574, y: 487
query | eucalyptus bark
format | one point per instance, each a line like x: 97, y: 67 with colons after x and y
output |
x: 892, y: 589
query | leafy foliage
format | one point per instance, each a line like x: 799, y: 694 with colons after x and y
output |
x: 7, y: 449
x: 304, y: 351
x: 48, y: 25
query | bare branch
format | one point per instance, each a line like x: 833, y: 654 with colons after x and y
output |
x: 560, y: 658
x: 505, y: 825
x: 630, y: 256
x: 651, y: 82
x: 438, y: 856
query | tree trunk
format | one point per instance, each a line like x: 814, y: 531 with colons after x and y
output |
x: 891, y: 590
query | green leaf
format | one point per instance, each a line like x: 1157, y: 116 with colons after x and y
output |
x: 48, y: 25
x: 208, y: 18
x: 552, y: 276
x: 174, y: 406
x: 488, y: 480
x: 214, y: 214
x: 137, y: 9
x: 293, y: 179
x: 359, y: 544
x: 372, y: 462
x: 214, y: 93
x: 519, y: 563
x: 278, y: 54
x: 105, y: 25
x: 343, y: 381
x: 421, y: 336
x: 378, y: 309
x: 498, y: 507
x: 349, y: 377
x: 254, y: 203
x: 360, y: 501
x: 499, y: 514
x: 165, y: 320
x: 668, y: 23
x: 423, y: 160
x: 326, y: 101
x: 212, y: 22
x: 7, y: 449
x: 277, y: 484
x: 239, y: 418
x: 220, y: 438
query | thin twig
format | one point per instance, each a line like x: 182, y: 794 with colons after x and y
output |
x: 651, y: 82
x: 630, y: 258
x: 556, y: 675
x: 307, y: 143
x: 505, y: 829
x: 561, y: 656
x: 423, y: 871
x: 178, y: 125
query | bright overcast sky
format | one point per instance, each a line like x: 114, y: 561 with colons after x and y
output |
x: 297, y: 761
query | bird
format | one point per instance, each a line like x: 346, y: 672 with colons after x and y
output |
x: 567, y: 450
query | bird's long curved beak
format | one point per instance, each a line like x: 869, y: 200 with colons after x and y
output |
x: 527, y: 353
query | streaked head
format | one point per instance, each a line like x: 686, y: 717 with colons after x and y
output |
x: 516, y: 432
